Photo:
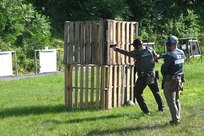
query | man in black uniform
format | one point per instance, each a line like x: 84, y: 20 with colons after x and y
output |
x: 172, y: 71
x: 144, y: 64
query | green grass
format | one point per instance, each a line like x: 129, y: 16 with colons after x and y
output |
x: 35, y: 107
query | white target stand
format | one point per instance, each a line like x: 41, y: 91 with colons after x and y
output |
x: 6, y: 66
x: 48, y: 59
x: 191, y: 48
x: 149, y: 44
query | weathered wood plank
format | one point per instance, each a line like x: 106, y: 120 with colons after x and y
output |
x: 92, y: 86
x: 82, y: 46
x: 128, y: 83
x: 68, y: 89
x: 123, y: 42
x: 66, y: 42
x: 97, y: 85
x: 127, y: 43
x: 71, y: 33
x: 115, y: 85
x: 101, y: 41
x: 103, y: 81
x: 119, y: 73
x: 76, y: 86
x: 118, y: 40
x: 94, y: 42
x: 132, y: 83
x: 76, y: 42
x: 87, y: 86
x: 110, y: 88
x: 81, y: 87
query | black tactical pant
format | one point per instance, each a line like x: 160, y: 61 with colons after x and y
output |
x: 140, y: 86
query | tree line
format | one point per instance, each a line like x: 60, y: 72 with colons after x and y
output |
x: 26, y: 25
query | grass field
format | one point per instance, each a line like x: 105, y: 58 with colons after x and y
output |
x: 35, y: 107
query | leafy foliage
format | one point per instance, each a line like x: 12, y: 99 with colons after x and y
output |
x: 23, y: 29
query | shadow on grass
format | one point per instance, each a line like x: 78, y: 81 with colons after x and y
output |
x: 31, y: 110
x: 80, y: 120
x: 125, y: 130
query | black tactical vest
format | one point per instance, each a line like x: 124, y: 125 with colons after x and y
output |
x: 145, y: 61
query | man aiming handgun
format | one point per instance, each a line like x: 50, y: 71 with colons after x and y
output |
x: 145, y: 68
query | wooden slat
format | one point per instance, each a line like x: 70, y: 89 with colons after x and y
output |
x: 118, y: 40
x: 68, y: 92
x: 87, y: 86
x: 132, y: 83
x: 128, y: 84
x: 110, y: 87
x: 101, y: 41
x: 94, y: 42
x: 81, y: 87
x: 71, y: 42
x: 127, y: 41
x: 115, y: 86
x: 76, y: 86
x: 76, y: 41
x: 113, y: 40
x: 66, y: 89
x: 119, y: 84
x: 132, y: 34
x: 123, y: 41
x: 109, y: 41
x: 103, y: 81
x: 97, y: 51
x: 124, y: 84
x: 92, y: 87
x: 66, y: 41
x: 88, y: 42
x: 82, y: 46
x: 97, y: 86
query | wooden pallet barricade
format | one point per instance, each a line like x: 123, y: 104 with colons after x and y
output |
x: 96, y: 77
x: 98, y: 86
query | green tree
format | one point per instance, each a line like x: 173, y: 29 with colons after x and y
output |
x: 23, y: 29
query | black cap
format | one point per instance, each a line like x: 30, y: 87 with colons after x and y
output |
x: 137, y: 42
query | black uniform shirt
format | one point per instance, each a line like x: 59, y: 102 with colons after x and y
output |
x: 144, y: 58
x: 173, y: 63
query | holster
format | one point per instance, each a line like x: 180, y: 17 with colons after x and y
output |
x: 149, y: 76
x: 176, y: 81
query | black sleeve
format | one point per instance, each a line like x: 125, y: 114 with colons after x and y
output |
x: 133, y: 53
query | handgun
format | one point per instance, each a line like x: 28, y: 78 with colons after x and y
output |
x: 113, y: 45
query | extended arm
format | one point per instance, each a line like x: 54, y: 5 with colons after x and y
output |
x: 133, y: 53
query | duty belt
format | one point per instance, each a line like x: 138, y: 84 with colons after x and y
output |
x: 168, y: 77
x: 142, y: 73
